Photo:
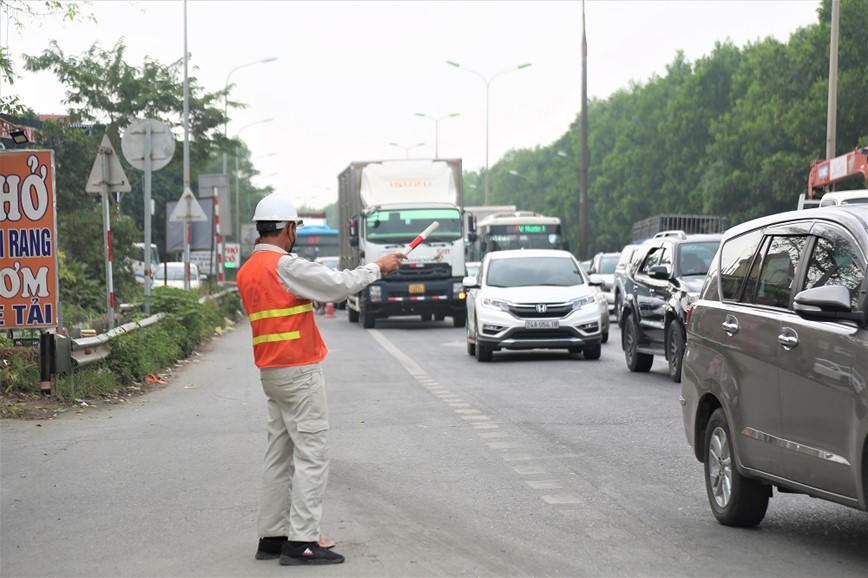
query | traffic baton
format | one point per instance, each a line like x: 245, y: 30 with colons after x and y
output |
x: 422, y: 236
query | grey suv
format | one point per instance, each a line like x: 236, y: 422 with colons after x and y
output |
x: 773, y: 388
x: 661, y: 283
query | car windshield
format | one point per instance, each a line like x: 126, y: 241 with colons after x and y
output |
x: 607, y: 264
x: 695, y: 258
x: 402, y: 226
x: 525, y: 272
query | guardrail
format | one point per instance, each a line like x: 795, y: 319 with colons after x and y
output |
x: 87, y: 350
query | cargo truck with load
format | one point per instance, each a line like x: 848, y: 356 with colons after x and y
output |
x: 660, y: 225
x: 385, y: 205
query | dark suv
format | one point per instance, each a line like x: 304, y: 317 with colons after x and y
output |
x: 659, y: 288
x: 774, y: 388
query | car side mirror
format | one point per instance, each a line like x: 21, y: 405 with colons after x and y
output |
x: 824, y: 303
x: 470, y: 283
x: 595, y: 279
x: 658, y: 272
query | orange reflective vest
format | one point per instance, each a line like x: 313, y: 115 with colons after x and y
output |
x: 284, y: 329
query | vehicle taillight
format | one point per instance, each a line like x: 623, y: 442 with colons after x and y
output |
x: 689, y: 313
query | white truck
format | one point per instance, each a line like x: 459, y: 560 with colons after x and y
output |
x: 383, y: 206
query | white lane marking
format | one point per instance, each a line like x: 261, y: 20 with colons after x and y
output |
x: 529, y: 470
x: 502, y: 445
x: 486, y: 426
x: 475, y: 417
x: 467, y: 411
x: 544, y: 484
x: 459, y: 405
x: 518, y: 458
x: 494, y: 434
x: 563, y: 499
x: 411, y: 366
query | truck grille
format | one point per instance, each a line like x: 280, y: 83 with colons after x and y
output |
x: 422, y: 271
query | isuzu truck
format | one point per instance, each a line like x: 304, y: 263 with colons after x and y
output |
x: 385, y: 205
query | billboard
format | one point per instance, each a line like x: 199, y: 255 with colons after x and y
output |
x: 28, y: 240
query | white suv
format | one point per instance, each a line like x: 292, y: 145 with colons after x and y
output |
x: 532, y: 299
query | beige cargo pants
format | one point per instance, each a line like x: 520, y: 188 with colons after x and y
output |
x: 296, y: 453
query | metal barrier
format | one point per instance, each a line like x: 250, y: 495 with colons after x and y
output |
x: 87, y: 350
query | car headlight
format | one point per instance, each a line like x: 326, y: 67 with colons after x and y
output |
x: 497, y: 304
x: 582, y: 302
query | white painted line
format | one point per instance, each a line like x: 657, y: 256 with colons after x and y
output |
x: 529, y: 470
x: 544, y: 484
x: 518, y: 458
x: 476, y: 417
x: 494, y: 434
x: 411, y: 366
x: 485, y: 426
x: 563, y: 499
x: 467, y: 411
x: 459, y: 405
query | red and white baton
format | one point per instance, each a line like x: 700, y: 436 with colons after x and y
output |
x: 422, y: 236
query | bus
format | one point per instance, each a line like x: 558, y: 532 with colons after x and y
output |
x: 518, y: 230
x: 315, y: 241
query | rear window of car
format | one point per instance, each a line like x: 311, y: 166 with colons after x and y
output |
x: 736, y: 255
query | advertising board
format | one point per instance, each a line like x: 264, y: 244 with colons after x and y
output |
x: 28, y: 240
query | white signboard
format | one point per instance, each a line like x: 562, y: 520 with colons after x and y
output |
x: 232, y: 255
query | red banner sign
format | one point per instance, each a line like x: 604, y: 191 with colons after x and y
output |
x: 28, y: 240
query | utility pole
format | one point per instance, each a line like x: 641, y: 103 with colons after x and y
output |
x: 583, y: 187
x: 831, y: 111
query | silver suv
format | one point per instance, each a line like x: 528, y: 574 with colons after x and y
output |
x: 773, y: 388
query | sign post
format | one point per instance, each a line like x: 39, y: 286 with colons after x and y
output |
x: 107, y: 176
x: 186, y: 211
x: 148, y: 145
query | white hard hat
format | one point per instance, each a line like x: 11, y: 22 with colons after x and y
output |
x: 276, y: 208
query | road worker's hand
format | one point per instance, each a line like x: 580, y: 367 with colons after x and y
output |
x: 390, y: 263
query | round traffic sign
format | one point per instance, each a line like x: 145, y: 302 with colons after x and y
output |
x: 134, y: 141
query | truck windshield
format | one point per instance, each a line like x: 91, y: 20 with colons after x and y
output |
x: 404, y: 225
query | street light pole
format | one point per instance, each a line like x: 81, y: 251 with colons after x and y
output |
x: 407, y: 147
x: 487, y: 82
x: 238, y: 177
x: 437, y: 129
x: 226, y: 97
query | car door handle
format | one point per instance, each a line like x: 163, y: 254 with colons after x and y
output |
x: 730, y: 325
x: 788, y: 338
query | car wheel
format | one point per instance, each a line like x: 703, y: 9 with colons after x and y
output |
x: 483, y: 352
x: 459, y: 320
x: 592, y: 351
x: 605, y: 338
x: 471, y: 346
x: 735, y: 499
x: 675, y: 351
x: 637, y: 362
x: 617, y: 304
x: 352, y: 315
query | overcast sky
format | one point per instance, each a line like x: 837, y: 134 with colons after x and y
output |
x: 350, y: 76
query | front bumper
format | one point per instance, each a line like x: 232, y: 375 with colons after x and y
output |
x: 501, y: 330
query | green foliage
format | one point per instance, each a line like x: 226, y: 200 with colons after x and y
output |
x: 19, y: 368
x: 732, y: 134
x: 145, y: 351
x: 88, y: 383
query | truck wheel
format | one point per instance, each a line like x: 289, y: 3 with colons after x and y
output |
x: 439, y: 317
x: 675, y: 351
x: 459, y: 320
x: 735, y: 499
x: 352, y: 315
x: 425, y: 317
x: 365, y: 316
x: 636, y: 362
x: 483, y: 352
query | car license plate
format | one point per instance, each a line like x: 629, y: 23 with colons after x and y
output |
x: 417, y: 288
x: 541, y: 324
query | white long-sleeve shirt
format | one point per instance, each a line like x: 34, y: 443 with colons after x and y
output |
x: 317, y: 282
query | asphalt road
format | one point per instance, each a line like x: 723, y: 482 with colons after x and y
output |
x: 532, y: 465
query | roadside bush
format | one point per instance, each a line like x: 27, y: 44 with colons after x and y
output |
x: 19, y: 369
x: 145, y: 351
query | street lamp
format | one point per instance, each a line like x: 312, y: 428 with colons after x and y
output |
x: 437, y: 128
x: 226, y: 97
x: 407, y: 147
x: 238, y: 177
x: 487, y: 82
